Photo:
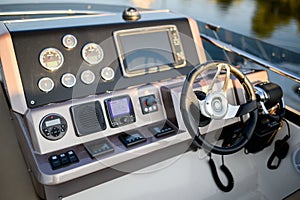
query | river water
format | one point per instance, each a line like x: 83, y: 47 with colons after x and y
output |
x: 276, y: 22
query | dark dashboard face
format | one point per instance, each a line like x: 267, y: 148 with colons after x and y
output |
x: 79, y: 60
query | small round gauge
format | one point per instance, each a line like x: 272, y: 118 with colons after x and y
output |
x: 69, y: 41
x: 87, y: 77
x: 46, y: 84
x: 92, y: 53
x: 107, y: 73
x: 68, y: 80
x: 51, y: 59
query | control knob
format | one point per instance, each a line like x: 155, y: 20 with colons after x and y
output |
x: 150, y: 101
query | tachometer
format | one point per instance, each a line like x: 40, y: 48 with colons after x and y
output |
x: 92, y: 53
x: 51, y: 59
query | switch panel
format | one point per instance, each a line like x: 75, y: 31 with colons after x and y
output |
x: 132, y: 139
x: 148, y: 104
x: 98, y: 147
x: 63, y: 159
x: 159, y: 131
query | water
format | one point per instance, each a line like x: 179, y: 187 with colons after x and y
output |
x: 276, y: 22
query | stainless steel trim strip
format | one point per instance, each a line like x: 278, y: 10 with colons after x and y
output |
x: 52, y: 12
x: 197, y: 40
x: 11, y: 72
x: 55, y: 18
x: 273, y: 67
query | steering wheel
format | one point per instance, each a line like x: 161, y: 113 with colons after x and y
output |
x: 214, y: 105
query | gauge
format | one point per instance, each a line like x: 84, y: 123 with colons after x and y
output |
x: 87, y: 77
x: 69, y: 41
x: 68, y: 80
x: 46, y: 84
x: 107, y: 73
x: 51, y: 59
x: 92, y: 53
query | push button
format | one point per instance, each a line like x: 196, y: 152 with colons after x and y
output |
x: 55, y: 132
x: 46, y: 131
x: 55, y: 162
x: 72, y: 156
x: 63, y: 158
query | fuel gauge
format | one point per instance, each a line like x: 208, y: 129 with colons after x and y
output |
x: 92, y: 53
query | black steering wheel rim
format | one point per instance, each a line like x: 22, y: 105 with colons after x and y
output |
x: 188, y: 104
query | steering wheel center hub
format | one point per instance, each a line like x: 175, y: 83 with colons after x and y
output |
x: 216, y: 105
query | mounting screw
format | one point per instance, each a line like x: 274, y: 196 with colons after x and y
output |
x: 32, y: 102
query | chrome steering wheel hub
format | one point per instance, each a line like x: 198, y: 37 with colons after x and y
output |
x: 214, y: 106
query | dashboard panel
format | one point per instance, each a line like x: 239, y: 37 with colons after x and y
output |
x: 53, y: 70
x: 94, y: 93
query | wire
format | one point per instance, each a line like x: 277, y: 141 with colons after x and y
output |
x: 288, y: 127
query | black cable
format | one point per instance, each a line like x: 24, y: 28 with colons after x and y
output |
x: 281, y: 149
x: 288, y: 127
x: 227, y: 173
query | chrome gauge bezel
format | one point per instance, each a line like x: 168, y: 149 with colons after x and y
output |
x: 65, y: 41
x: 87, y: 81
x: 87, y: 59
x: 42, y: 88
x: 66, y: 83
x: 107, y: 74
x: 43, y: 63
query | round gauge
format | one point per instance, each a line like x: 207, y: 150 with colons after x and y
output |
x: 46, y: 84
x: 87, y: 77
x: 68, y: 80
x: 107, y: 73
x: 51, y: 59
x: 69, y: 41
x: 92, y: 53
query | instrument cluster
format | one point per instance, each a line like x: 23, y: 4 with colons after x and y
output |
x: 52, y: 60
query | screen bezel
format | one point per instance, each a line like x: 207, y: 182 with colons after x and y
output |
x: 177, y: 51
x: 114, y: 119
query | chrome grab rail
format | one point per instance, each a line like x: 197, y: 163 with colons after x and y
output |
x: 273, y: 67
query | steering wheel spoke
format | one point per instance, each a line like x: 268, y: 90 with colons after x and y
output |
x: 220, y: 67
x: 240, y: 110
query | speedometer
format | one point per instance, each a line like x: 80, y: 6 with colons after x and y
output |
x: 92, y: 53
x: 51, y: 59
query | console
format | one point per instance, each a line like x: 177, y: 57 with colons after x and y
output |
x: 87, y: 98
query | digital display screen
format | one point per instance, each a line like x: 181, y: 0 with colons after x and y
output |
x: 146, y: 50
x: 119, y: 107
x: 52, y: 122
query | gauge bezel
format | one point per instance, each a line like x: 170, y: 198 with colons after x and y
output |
x: 87, y: 82
x: 46, y: 90
x: 104, y: 76
x: 65, y: 43
x: 43, y: 52
x: 66, y: 84
x: 86, y: 59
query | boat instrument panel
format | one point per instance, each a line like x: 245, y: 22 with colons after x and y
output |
x: 94, y: 94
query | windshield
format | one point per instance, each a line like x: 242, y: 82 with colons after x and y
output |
x: 276, y: 22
